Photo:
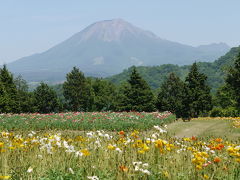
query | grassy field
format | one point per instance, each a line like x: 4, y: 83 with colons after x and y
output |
x: 205, y: 128
x: 199, y: 149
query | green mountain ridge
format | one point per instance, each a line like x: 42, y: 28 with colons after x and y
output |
x: 155, y: 75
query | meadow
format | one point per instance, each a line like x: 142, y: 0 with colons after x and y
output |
x: 117, y: 146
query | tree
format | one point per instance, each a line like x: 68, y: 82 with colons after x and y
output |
x: 136, y: 95
x: 77, y: 91
x: 104, y: 95
x: 25, y: 98
x: 8, y: 92
x: 225, y: 97
x: 197, y: 91
x: 45, y: 99
x: 171, y: 95
x: 233, y: 80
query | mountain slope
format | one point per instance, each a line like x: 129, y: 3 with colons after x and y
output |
x: 106, y: 48
x: 155, y: 75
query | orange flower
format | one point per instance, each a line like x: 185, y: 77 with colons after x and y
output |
x: 121, y: 133
x: 218, y: 140
x: 216, y: 160
x: 194, y: 138
x: 219, y: 146
x: 123, y: 168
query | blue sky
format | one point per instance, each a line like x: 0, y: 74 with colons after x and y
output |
x: 29, y: 26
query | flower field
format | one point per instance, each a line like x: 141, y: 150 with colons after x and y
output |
x: 84, y: 121
x: 148, y: 153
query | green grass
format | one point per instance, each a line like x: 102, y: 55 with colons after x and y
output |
x: 204, y: 128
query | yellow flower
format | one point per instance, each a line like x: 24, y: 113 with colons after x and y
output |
x: 159, y: 143
x: 135, y: 134
x: 5, y: 177
x: 238, y: 160
x: 198, y: 167
x: 230, y: 150
x: 166, y: 174
x: 145, y: 147
x: 187, y: 139
x: 205, y: 176
x: 85, y: 152
x: 111, y: 147
x: 141, y: 151
x: 148, y: 141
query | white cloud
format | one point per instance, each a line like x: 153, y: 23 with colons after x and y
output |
x: 136, y: 61
x: 98, y: 60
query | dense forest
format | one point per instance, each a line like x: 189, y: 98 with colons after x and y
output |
x: 155, y: 75
x: 185, y: 91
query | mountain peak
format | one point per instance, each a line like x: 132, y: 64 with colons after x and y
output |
x: 112, y: 30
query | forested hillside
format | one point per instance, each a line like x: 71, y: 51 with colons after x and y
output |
x: 155, y: 75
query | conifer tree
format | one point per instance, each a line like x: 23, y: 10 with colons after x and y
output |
x: 171, y: 95
x: 8, y: 92
x: 25, y: 98
x: 198, y: 98
x: 77, y: 91
x: 45, y: 99
x: 137, y: 95
x: 104, y: 95
x: 233, y: 80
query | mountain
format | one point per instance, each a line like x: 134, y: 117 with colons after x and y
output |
x: 155, y: 75
x: 106, y: 48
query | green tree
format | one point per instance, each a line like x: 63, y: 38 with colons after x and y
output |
x: 8, y: 92
x: 77, y: 91
x: 104, y: 95
x: 25, y: 98
x: 136, y: 95
x: 224, y: 97
x: 171, y: 95
x: 197, y: 91
x: 45, y: 99
x: 233, y: 80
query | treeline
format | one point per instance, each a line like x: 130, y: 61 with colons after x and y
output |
x: 155, y: 75
x: 186, y: 98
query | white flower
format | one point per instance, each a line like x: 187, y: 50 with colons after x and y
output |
x: 237, y: 147
x: 107, y: 136
x: 98, y: 143
x: 119, y: 150
x: 71, y: 171
x: 212, y: 151
x: 145, y: 165
x: 93, y: 177
x: 155, y: 135
x: 160, y: 129
x: 30, y: 135
x: 145, y: 171
x: 30, y: 169
x: 78, y: 153
x: 90, y: 134
x: 136, y: 168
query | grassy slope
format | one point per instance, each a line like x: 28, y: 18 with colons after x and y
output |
x: 203, y: 128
